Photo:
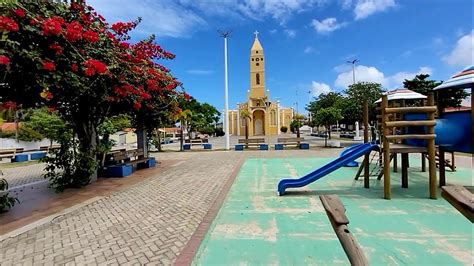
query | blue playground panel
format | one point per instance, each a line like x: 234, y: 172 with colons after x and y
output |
x: 304, y: 146
x: 263, y: 147
x: 151, y: 162
x: 207, y: 146
x: 239, y: 147
x: 278, y: 147
x: 37, y: 155
x: 186, y: 146
x: 20, y: 158
x: 119, y: 170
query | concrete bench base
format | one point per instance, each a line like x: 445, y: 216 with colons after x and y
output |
x: 278, y: 147
x: 186, y: 147
x: 207, y: 146
x: 263, y: 147
x: 37, y: 155
x: 304, y: 146
x: 119, y: 170
x: 151, y: 162
x: 239, y: 147
x: 20, y: 158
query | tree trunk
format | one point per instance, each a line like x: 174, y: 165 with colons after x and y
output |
x: 181, y: 139
x: 17, y: 122
x: 246, y: 129
x: 88, y: 139
x: 158, y: 137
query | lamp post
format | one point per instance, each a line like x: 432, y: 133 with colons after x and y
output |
x: 353, y: 62
x: 225, y: 35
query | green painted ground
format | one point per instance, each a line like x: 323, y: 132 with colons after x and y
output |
x: 256, y: 227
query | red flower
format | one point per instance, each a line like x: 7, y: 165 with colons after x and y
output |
x: 137, y: 105
x: 52, y: 26
x: 57, y: 48
x: 77, y: 6
x: 4, y: 60
x: 49, y: 95
x: 123, y: 27
x: 74, y: 67
x: 94, y: 66
x: 149, y: 106
x: 49, y: 66
x: 186, y: 96
x: 8, y: 24
x: 20, y: 12
x: 145, y: 96
x: 74, y: 31
x: 9, y: 105
x: 91, y: 36
x: 51, y: 109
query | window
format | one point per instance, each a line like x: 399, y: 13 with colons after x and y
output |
x: 257, y: 78
x: 257, y: 64
x: 273, y: 117
x: 252, y: 59
x: 256, y: 52
x: 261, y: 59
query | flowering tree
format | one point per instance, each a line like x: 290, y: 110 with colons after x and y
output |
x: 67, y: 57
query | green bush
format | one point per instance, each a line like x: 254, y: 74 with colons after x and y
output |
x: 294, y: 125
x: 209, y: 130
x: 6, y: 201
x: 219, y: 132
x: 284, y: 129
x: 24, y: 134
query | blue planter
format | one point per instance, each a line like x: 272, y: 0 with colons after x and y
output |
x: 151, y: 162
x: 239, y: 147
x: 119, y: 170
x: 263, y: 147
x: 186, y: 146
x: 207, y: 146
x: 37, y: 155
x: 304, y: 146
x: 20, y: 158
x: 278, y: 147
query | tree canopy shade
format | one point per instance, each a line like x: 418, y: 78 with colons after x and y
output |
x: 361, y: 91
x: 423, y: 85
x: 327, y: 117
x: 67, y: 57
x: 324, y: 100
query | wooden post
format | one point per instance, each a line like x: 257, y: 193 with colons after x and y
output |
x: 395, y: 163
x: 453, y: 164
x: 386, y: 151
x: 339, y: 221
x: 423, y: 162
x: 432, y: 152
x: 404, y: 170
x: 366, y: 139
x: 442, y: 166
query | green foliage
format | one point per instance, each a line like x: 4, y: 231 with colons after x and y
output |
x: 25, y: 133
x: 423, y: 85
x: 357, y: 93
x: 328, y: 116
x: 113, y: 124
x: 6, y: 201
x: 68, y: 166
x: 284, y: 129
x: 219, y: 132
x: 200, y: 115
x: 326, y: 100
x: 209, y: 130
x: 294, y: 125
x: 46, y: 123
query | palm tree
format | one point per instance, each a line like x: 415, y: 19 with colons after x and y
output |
x: 184, y: 117
x: 245, y: 114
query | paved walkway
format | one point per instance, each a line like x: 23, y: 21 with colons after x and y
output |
x: 19, y: 176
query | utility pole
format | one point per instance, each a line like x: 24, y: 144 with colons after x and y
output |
x: 353, y: 62
x: 225, y: 35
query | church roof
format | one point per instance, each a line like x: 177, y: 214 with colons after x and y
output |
x: 256, y: 45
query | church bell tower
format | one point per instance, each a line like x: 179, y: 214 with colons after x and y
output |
x: 257, y: 70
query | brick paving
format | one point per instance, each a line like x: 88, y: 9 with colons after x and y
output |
x: 18, y: 176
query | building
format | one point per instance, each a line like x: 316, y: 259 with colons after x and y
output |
x: 266, y: 116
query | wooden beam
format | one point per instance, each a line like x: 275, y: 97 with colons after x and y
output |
x: 366, y: 139
x: 404, y: 110
x: 339, y: 221
x: 418, y: 123
x: 432, y: 151
x: 461, y: 199
x: 404, y: 170
x: 412, y: 136
x: 442, y: 166
x: 386, y: 151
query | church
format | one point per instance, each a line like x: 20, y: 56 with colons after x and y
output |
x: 266, y: 117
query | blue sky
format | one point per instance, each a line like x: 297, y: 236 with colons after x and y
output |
x: 306, y: 42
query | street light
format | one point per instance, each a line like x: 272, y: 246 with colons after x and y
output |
x: 353, y: 62
x: 225, y: 35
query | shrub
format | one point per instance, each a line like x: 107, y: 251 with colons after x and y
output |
x: 219, y: 132
x: 24, y: 134
x: 6, y: 201
x: 209, y: 130
x: 284, y: 129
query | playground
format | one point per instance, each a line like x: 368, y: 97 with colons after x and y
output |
x: 256, y: 227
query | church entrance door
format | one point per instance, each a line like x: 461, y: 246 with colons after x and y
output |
x: 259, y: 117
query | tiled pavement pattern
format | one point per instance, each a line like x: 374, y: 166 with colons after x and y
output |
x: 18, y: 176
x: 149, y: 222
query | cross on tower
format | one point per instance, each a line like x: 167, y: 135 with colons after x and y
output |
x: 256, y: 34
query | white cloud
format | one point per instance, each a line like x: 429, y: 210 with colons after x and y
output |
x: 199, y: 71
x: 308, y: 50
x: 365, y: 8
x: 463, y: 54
x: 273, y: 31
x: 290, y: 33
x: 319, y: 88
x: 346, y: 4
x: 372, y: 74
x: 327, y: 25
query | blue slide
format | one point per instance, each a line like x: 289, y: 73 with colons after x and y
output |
x: 327, y: 169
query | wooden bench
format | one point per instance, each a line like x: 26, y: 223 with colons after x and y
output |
x: 127, y: 161
x: 49, y: 148
x: 259, y: 142
x: 10, y: 153
x: 291, y: 141
x: 204, y: 142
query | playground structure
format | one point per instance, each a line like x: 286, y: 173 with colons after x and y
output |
x: 409, y: 129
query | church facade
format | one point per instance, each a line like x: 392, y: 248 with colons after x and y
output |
x: 262, y: 116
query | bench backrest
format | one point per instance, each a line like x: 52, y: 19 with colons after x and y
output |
x: 290, y: 139
x: 8, y: 151
x: 261, y: 140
